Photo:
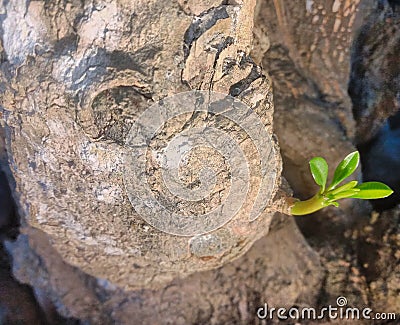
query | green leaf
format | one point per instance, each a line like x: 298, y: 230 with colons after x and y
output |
x: 346, y: 194
x: 372, y: 190
x: 319, y: 171
x: 344, y: 187
x: 346, y: 167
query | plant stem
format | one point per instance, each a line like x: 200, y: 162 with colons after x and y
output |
x: 316, y: 203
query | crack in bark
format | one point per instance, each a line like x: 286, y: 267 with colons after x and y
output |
x: 200, y: 25
x: 255, y: 73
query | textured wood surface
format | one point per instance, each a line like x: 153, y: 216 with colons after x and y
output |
x: 77, y: 82
x: 77, y: 76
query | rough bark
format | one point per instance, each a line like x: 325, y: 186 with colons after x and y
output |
x: 374, y: 88
x: 374, y: 81
x: 67, y: 131
x: 72, y: 87
x: 308, y: 60
x: 317, y: 37
x: 77, y: 75
x: 280, y: 272
x: 314, y: 116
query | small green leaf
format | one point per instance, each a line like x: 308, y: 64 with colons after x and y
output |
x: 345, y: 194
x: 335, y: 204
x: 344, y: 187
x: 319, y: 171
x: 346, y: 167
x: 372, y: 190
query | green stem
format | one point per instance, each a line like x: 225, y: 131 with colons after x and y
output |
x: 316, y: 203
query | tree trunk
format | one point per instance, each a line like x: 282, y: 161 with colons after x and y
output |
x: 79, y: 79
x: 79, y: 76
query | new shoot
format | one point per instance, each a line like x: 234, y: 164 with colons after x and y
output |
x: 328, y: 195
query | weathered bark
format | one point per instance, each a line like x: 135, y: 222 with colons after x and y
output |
x: 280, y: 272
x: 374, y: 88
x: 317, y: 37
x: 308, y: 60
x: 68, y: 89
x: 348, y: 41
x: 75, y: 84
x: 374, y: 81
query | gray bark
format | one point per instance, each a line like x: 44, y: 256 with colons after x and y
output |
x: 77, y: 76
x: 73, y: 86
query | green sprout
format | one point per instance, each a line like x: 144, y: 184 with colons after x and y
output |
x: 328, y: 195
